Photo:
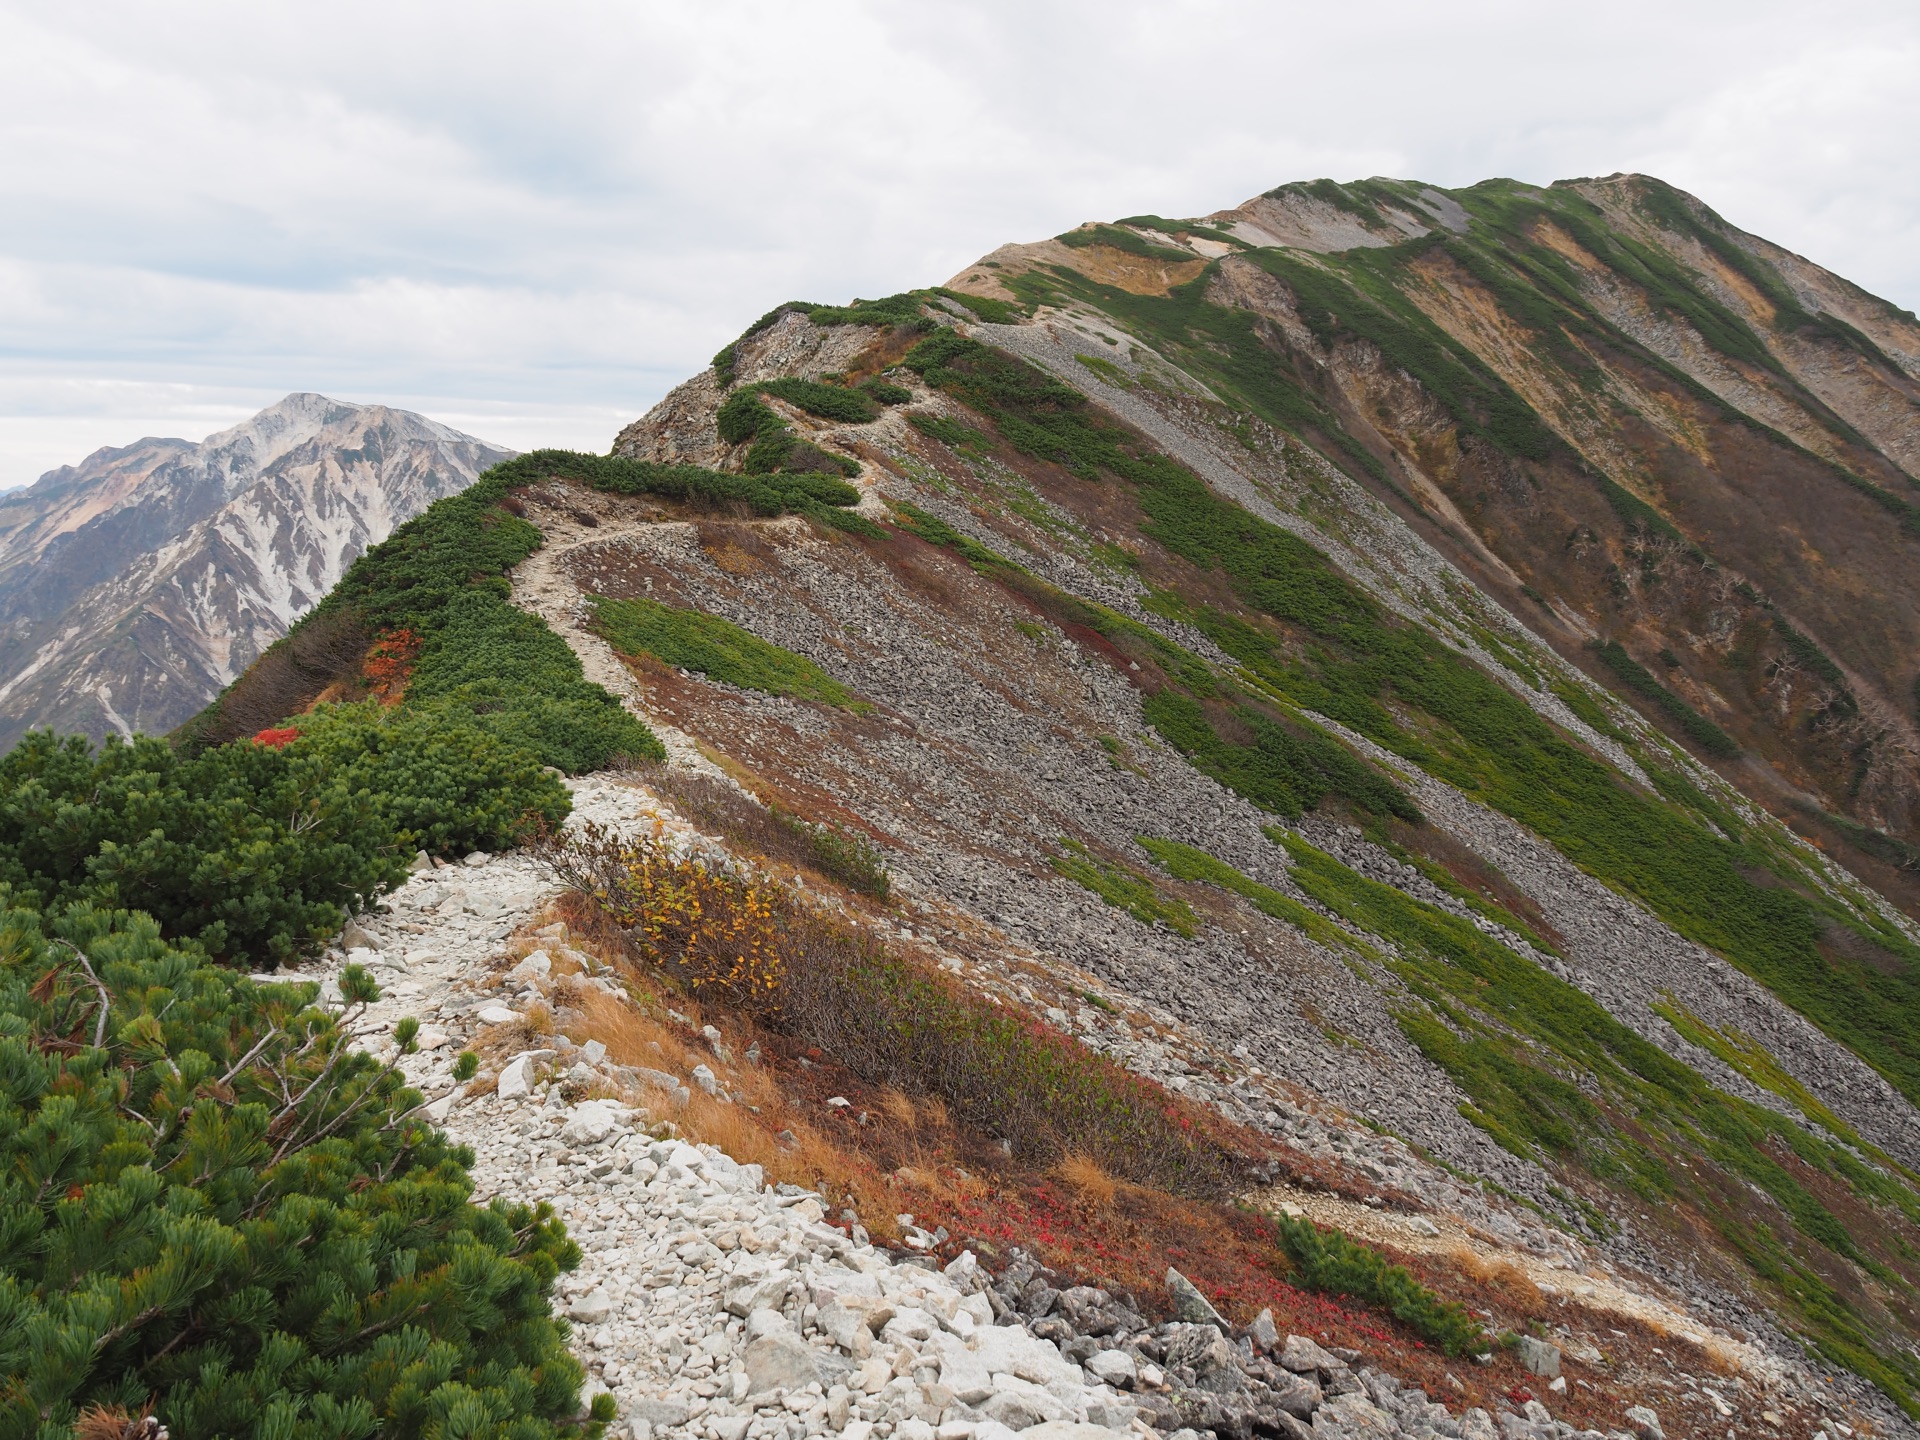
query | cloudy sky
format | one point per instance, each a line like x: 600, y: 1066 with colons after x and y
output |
x: 530, y: 220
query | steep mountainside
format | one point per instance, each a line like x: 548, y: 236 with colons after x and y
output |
x: 1383, y: 707
x: 1632, y: 423
x: 136, y: 585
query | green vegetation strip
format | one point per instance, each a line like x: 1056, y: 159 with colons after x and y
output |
x: 1527, y: 1047
x: 1328, y: 1261
x: 1702, y: 731
x: 1124, y: 888
x: 214, y: 1204
x: 1184, y: 862
x: 1278, y: 760
x: 716, y: 648
x: 1336, y: 652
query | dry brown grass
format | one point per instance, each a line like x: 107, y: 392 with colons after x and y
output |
x: 1507, y: 1279
x: 1084, y: 1177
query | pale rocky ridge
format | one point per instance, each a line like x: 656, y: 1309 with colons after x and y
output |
x: 715, y: 1307
x: 137, y: 585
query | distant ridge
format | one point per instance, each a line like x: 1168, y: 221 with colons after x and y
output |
x: 138, y: 583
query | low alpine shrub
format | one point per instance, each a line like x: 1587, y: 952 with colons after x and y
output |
x: 215, y: 1206
x: 774, y: 833
x: 1702, y: 731
x: 1328, y: 1261
x: 890, y: 1019
x: 719, y: 649
x: 254, y: 850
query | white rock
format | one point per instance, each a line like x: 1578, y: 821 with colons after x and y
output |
x: 909, y: 1324
x: 591, y: 1122
x: 497, y: 1015
x: 535, y: 965
x: 780, y: 1361
x: 516, y: 1080
x: 591, y: 1309
x: 961, y: 1370
x: 1009, y: 1349
x: 1113, y: 1367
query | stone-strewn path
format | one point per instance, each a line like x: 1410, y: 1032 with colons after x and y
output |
x: 715, y: 1307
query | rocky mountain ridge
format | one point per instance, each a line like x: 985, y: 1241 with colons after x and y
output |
x: 1384, y: 706
x: 138, y: 584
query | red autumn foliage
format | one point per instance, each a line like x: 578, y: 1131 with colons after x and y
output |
x: 389, y: 664
x: 276, y: 739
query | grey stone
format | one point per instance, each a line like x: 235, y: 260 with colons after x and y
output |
x: 1645, y: 1422
x: 1537, y: 1356
x: 1022, y: 1406
x: 666, y: 1413
x: 356, y: 936
x: 1263, y: 1332
x: 731, y: 1427
x: 1303, y: 1357
x: 1189, y: 1304
x: 1353, y: 1417
x: 1297, y: 1395
x: 781, y: 1361
x: 1113, y: 1367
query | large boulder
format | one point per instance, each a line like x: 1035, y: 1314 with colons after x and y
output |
x: 1189, y: 1304
x: 779, y: 1361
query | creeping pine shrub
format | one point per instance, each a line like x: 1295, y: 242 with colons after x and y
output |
x: 694, y: 640
x: 1702, y: 731
x: 889, y: 1019
x: 885, y: 393
x: 213, y: 1204
x: 253, y: 850
x: 1328, y: 1261
x: 775, y: 448
x: 442, y: 782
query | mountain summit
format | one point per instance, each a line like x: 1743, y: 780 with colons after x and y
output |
x: 136, y: 585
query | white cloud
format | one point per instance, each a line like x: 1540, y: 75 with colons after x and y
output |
x: 546, y: 215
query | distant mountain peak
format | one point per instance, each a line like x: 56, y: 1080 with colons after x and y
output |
x: 135, y: 585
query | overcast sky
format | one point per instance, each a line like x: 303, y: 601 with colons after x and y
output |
x: 530, y: 220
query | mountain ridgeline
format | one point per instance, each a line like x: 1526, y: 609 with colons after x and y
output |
x: 1451, y: 653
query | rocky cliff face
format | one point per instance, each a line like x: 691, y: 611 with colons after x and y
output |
x: 136, y: 585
